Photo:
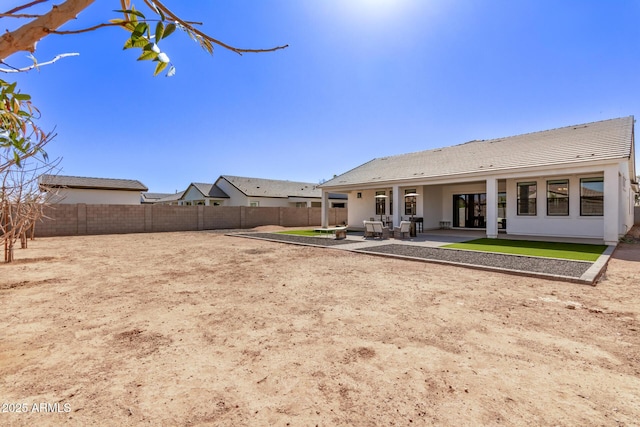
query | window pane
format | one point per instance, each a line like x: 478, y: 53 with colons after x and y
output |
x: 527, y: 194
x: 592, y: 196
x: 409, y: 203
x: 558, y: 197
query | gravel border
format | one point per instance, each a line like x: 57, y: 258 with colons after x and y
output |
x: 550, y: 266
x: 292, y: 238
x: 554, y: 267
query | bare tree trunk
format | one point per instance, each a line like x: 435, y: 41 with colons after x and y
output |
x: 8, y: 251
x: 26, y: 37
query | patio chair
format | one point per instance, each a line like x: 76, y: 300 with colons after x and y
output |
x: 377, y: 229
x: 405, y: 228
x: 368, y: 229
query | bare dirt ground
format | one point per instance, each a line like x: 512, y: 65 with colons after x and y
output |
x: 206, y: 329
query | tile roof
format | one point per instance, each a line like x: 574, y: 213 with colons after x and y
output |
x: 210, y: 190
x: 91, y: 183
x: 171, y: 197
x: 603, y: 140
x: 153, y: 197
x: 260, y: 187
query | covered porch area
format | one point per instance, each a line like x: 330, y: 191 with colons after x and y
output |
x: 465, y: 205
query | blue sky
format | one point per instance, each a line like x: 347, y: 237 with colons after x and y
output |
x: 361, y: 79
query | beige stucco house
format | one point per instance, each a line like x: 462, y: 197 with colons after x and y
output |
x: 91, y: 191
x: 229, y: 190
x: 575, y: 181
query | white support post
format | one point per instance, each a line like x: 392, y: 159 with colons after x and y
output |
x: 324, y: 211
x: 396, y: 206
x: 492, y: 208
x: 611, y: 204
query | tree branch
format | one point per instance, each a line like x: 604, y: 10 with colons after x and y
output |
x: 18, y: 15
x: 86, y: 30
x: 31, y: 67
x: 24, y: 6
x: 26, y: 37
x: 157, y: 4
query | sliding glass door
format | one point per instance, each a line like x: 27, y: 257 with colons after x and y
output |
x: 470, y: 210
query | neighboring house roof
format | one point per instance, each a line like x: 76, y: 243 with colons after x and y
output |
x: 58, y: 181
x: 155, y: 196
x: 171, y: 197
x: 260, y: 187
x: 597, y: 141
x: 210, y: 190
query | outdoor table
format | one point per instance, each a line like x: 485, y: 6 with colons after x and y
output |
x: 339, y: 232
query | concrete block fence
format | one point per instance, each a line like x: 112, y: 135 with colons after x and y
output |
x: 83, y: 219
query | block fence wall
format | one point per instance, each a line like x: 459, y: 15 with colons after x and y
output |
x: 83, y: 219
x: 636, y: 213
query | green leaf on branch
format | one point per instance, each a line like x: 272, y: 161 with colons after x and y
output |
x: 138, y: 42
x: 161, y: 66
x: 141, y: 28
x: 132, y: 12
x: 170, y: 28
x: 159, y: 31
x: 147, y: 55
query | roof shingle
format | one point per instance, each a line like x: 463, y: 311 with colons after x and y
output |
x: 603, y: 140
x: 259, y: 187
x: 55, y: 181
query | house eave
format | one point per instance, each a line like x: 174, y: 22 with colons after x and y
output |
x: 472, y: 175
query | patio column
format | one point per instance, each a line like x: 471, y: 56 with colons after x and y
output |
x: 611, y: 203
x: 324, y: 210
x: 396, y: 206
x: 492, y: 208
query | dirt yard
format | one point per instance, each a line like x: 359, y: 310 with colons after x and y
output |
x: 200, y: 329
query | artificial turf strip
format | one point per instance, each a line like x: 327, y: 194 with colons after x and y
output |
x: 573, y: 251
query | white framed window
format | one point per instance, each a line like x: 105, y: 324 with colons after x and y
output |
x: 527, y: 198
x: 410, y: 202
x: 558, y: 197
x: 592, y: 196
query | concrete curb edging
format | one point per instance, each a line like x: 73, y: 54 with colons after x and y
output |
x: 590, y: 277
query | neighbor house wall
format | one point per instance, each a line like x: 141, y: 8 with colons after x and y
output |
x: 81, y: 219
x: 236, y: 197
x: 95, y: 197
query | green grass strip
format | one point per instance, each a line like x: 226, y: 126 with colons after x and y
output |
x: 572, y: 251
